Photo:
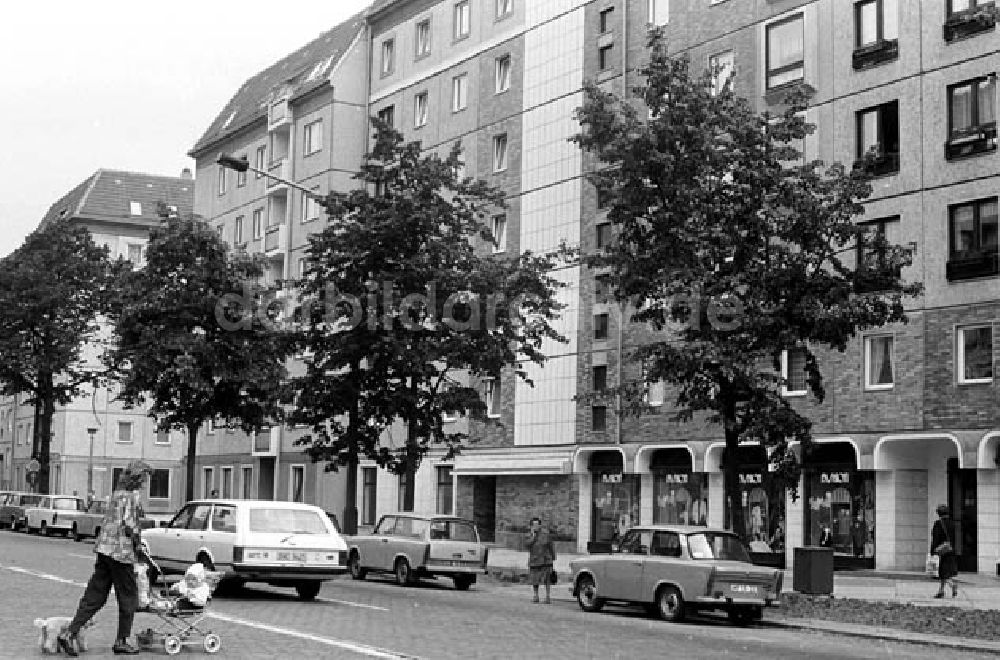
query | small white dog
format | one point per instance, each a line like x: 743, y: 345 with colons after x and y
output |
x: 52, y: 626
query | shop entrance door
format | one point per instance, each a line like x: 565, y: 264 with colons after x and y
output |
x: 484, y: 507
x: 962, y: 502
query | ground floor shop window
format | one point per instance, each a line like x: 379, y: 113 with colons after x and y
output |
x: 680, y: 496
x: 615, y: 497
x: 762, y: 501
x: 839, y: 503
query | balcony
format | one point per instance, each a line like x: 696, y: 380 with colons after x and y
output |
x: 279, y: 115
x: 280, y: 168
x: 970, y: 265
x: 874, y: 54
x: 972, y: 141
x: 970, y: 22
x: 276, y: 240
x: 880, y: 164
x: 266, y: 442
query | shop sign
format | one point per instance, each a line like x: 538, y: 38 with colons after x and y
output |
x: 607, y: 478
x: 751, y: 479
x: 835, y: 478
x: 681, y: 479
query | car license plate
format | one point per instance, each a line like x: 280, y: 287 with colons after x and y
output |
x: 744, y: 589
x: 292, y: 556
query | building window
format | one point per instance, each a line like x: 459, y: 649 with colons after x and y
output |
x: 222, y: 180
x: 492, y: 397
x: 604, y: 54
x: 388, y: 56
x: 163, y: 437
x: 227, y: 482
x: 721, y: 67
x: 387, y: 115
x: 135, y: 253
x: 124, y: 431
x: 460, y: 92
x: 793, y: 371
x: 966, y: 18
x: 975, y: 354
x: 600, y: 378
x: 301, y: 270
x: 878, y: 136
x: 238, y: 230
x: 463, y: 20
x: 296, y: 484
x: 604, y: 235
x: 500, y: 152
x: 972, y: 125
x: 872, y: 244
x: 605, y: 20
x: 404, y: 485
x: 241, y: 177
x: 499, y: 233
x: 369, y: 491
x: 246, y: 482
x: 159, y: 485
x: 207, y: 482
x: 602, y: 288
x: 600, y: 327
x: 598, y: 418
x: 135, y: 208
x: 312, y: 137
x: 973, y: 239
x: 420, y: 103
x: 502, y: 77
x: 260, y: 160
x: 785, y: 51
x: 445, y: 481
x: 423, y: 38
x: 504, y: 8
x: 310, y: 207
x: 658, y: 12
x: 876, y: 21
x: 258, y: 223
x: 460, y: 168
x: 653, y: 389
x: 878, y: 362
x: 116, y: 474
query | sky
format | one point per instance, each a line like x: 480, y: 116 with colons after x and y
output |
x: 127, y: 85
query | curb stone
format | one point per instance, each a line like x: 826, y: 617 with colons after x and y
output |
x: 888, y: 634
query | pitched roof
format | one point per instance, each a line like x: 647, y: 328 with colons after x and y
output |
x: 107, y: 195
x: 298, y: 73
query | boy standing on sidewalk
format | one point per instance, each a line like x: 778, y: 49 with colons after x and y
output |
x: 541, y: 556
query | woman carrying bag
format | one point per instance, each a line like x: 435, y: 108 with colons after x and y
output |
x: 942, y: 545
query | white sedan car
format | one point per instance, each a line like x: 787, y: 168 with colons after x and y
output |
x: 284, y: 544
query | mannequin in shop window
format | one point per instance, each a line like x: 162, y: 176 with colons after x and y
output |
x: 859, y: 535
x: 826, y: 537
x: 777, y: 540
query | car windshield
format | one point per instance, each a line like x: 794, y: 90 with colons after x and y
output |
x: 65, y: 504
x: 708, y: 545
x: 287, y: 521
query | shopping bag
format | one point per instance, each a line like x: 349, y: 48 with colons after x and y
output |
x: 932, y: 565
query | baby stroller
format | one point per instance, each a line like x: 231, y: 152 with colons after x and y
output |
x: 179, y: 626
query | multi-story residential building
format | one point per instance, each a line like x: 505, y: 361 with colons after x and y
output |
x: 302, y: 120
x: 94, y: 437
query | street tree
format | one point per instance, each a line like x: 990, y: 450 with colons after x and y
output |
x: 194, y: 340
x: 731, y: 249
x: 54, y: 291
x: 406, y: 310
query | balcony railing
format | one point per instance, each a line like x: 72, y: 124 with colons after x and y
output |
x: 966, y: 266
x: 275, y: 239
x: 279, y: 114
x: 970, y: 22
x: 972, y: 141
x: 874, y: 54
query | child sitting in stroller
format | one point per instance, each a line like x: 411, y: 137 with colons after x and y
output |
x: 182, y: 608
x: 194, y: 590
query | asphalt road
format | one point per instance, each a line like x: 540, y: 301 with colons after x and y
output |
x: 42, y: 577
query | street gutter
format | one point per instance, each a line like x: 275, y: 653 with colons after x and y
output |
x: 886, y: 634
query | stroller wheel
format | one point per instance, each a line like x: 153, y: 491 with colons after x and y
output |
x: 212, y: 643
x: 172, y: 644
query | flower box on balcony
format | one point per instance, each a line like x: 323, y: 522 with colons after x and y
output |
x: 970, y: 22
x: 874, y: 54
x: 969, y: 265
x: 972, y: 141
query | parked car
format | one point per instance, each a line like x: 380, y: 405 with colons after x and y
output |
x: 44, y: 516
x: 285, y: 544
x: 12, y: 511
x: 674, y: 570
x: 413, y: 546
x: 85, y: 523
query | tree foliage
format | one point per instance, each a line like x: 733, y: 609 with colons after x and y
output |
x: 713, y: 208
x: 192, y: 341
x: 54, y: 290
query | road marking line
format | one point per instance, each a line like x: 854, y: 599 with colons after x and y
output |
x: 363, y: 649
x: 353, y: 604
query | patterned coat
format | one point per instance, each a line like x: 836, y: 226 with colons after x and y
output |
x: 541, y: 550
x: 120, y: 524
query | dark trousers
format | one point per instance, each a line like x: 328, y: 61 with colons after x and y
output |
x: 108, y: 573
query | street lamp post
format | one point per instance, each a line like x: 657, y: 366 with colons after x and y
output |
x: 242, y: 165
x: 90, y: 461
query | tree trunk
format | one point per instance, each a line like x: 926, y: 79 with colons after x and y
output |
x: 350, y: 520
x: 42, y: 442
x: 191, y: 454
x: 731, y: 472
x: 411, y: 444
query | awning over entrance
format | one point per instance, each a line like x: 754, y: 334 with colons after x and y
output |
x: 513, y: 461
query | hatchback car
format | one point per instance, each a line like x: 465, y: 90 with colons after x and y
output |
x: 12, y: 511
x: 285, y: 544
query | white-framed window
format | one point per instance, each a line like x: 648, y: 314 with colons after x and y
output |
x: 460, y: 169
x: 785, y: 51
x: 421, y: 102
x: 159, y: 484
x: 460, y: 92
x: 492, y: 397
x: 721, y: 67
x: 422, y: 38
x: 163, y: 437
x: 793, y: 371
x: 310, y: 207
x: 222, y: 180
x: 238, y: 230
x: 605, y: 56
x: 500, y: 152
x: 369, y: 494
x: 388, y: 115
x: 975, y: 354
x: 654, y: 390
x: 388, y: 56
x: 499, y: 233
x: 504, y: 8
x: 658, y: 12
x: 463, y: 19
x: 605, y: 19
x: 134, y: 251
x: 502, y: 77
x: 246, y: 482
x: 301, y: 270
x: 258, y: 224
x: 241, y: 177
x: 124, y: 432
x: 226, y: 485
x: 875, y: 21
x: 445, y: 490
x: 297, y: 483
x: 207, y: 482
x: 312, y: 137
x: 135, y: 208
x: 260, y: 159
x: 879, y: 362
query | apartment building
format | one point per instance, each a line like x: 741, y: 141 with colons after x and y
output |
x: 94, y: 436
x: 302, y: 120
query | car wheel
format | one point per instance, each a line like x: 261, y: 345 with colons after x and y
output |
x: 463, y: 582
x: 354, y: 564
x: 586, y: 595
x: 670, y: 604
x: 404, y: 575
x: 308, y: 589
x: 97, y: 532
x: 75, y: 533
x: 43, y: 529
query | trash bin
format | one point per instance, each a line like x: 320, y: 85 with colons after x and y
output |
x: 813, y: 570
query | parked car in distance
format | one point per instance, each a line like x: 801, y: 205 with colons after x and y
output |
x: 413, y: 546
x: 44, y: 516
x: 12, y: 511
x: 674, y: 570
x: 285, y: 544
x: 86, y: 522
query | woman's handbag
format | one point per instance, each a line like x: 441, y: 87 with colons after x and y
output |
x: 932, y: 565
x: 553, y: 577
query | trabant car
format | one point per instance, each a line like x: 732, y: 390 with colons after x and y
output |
x: 285, y: 544
x: 413, y: 546
x: 86, y: 523
x: 12, y: 511
x: 674, y: 570
x: 44, y: 516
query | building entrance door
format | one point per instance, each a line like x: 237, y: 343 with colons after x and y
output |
x: 962, y: 502
x: 484, y: 507
x: 265, y: 479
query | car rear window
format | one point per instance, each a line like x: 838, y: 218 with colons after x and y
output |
x: 717, y: 546
x: 453, y: 530
x: 30, y: 500
x: 287, y: 521
x: 65, y: 504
